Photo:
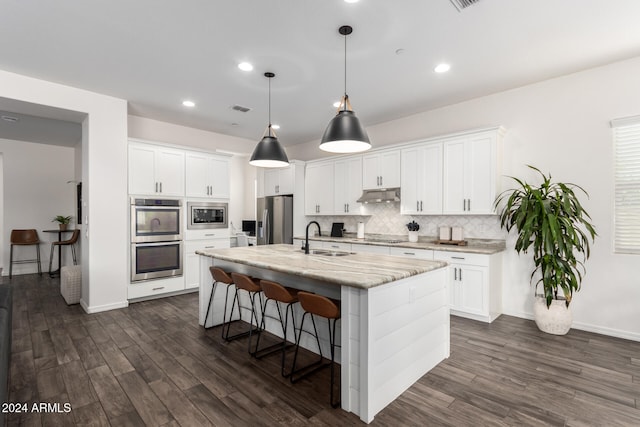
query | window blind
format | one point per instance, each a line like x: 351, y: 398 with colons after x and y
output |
x: 626, y: 136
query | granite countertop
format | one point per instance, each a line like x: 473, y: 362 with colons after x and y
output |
x: 358, y: 270
x: 475, y: 246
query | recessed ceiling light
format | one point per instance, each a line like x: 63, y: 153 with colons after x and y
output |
x: 245, y: 66
x: 188, y: 103
x: 351, y: 1
x: 275, y: 126
x: 442, y: 68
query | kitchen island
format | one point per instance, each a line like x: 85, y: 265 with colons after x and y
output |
x: 394, y: 326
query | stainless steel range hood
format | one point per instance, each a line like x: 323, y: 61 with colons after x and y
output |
x: 386, y: 195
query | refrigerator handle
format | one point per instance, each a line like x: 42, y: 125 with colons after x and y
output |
x: 265, y: 222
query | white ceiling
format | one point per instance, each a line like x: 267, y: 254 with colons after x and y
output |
x: 155, y: 53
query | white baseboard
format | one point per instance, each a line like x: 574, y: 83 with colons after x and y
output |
x: 612, y: 332
x: 100, y: 308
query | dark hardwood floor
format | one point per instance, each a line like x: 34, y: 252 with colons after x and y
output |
x: 151, y: 364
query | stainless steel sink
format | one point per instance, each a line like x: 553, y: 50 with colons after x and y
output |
x: 325, y: 252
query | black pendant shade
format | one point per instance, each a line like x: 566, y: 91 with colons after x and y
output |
x: 269, y: 153
x: 345, y: 133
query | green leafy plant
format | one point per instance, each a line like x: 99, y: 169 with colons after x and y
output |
x: 551, y: 221
x: 413, y: 226
x: 62, y: 219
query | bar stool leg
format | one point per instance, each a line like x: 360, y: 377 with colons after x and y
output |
x: 236, y: 302
x: 284, y: 324
x: 11, y: 262
x: 38, y: 252
x: 213, y: 289
x: 312, y: 367
x: 332, y: 338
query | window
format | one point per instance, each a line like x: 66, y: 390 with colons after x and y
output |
x: 626, y: 137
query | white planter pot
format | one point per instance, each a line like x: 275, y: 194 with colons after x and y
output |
x: 554, y: 320
x: 413, y: 236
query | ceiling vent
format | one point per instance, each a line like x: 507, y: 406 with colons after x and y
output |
x: 10, y: 119
x: 463, y: 4
x: 241, y: 108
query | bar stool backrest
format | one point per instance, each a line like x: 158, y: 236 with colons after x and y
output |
x: 24, y: 237
x: 242, y: 281
x: 219, y: 275
x: 319, y: 305
x: 276, y: 291
x: 72, y: 240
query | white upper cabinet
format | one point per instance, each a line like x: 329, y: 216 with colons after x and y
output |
x: 156, y: 170
x: 470, y: 174
x: 347, y: 186
x: 319, y: 189
x: 207, y: 175
x: 381, y: 170
x: 421, y: 180
x: 279, y: 181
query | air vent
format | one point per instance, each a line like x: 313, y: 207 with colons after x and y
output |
x: 463, y: 4
x: 240, y: 108
x: 10, y: 119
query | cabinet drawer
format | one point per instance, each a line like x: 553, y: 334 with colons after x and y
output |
x: 412, y: 253
x: 196, y: 245
x: 155, y: 287
x: 376, y: 249
x: 462, y: 258
x: 337, y: 246
x: 213, y: 233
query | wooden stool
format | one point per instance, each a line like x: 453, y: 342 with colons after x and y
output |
x: 252, y: 287
x: 322, y: 307
x: 27, y: 237
x: 279, y: 294
x: 219, y: 276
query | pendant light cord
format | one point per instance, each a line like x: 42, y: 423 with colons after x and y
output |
x: 269, y: 106
x: 344, y: 102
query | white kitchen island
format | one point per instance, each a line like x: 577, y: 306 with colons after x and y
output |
x: 394, y: 324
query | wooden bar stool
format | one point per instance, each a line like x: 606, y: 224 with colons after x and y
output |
x: 320, y: 306
x: 278, y: 294
x: 253, y: 289
x: 27, y: 237
x: 219, y: 276
x: 69, y: 242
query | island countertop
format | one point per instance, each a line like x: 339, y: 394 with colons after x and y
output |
x: 358, y: 270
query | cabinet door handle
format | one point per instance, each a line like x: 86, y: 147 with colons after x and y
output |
x: 157, y: 289
x: 156, y: 187
x: 455, y: 273
x: 381, y: 181
x: 410, y: 253
x: 209, y: 247
x: 417, y: 205
x: 161, y: 187
x: 420, y: 205
x: 213, y: 234
x: 347, y: 207
x: 469, y: 205
x: 460, y: 274
x: 458, y: 257
x: 335, y: 246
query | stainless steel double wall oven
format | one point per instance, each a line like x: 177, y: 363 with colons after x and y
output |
x: 156, y: 238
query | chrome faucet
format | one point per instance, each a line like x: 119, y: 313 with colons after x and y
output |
x: 306, y: 237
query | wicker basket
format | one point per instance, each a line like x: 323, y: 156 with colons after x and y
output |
x: 71, y: 283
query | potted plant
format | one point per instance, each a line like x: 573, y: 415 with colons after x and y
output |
x: 551, y: 222
x: 413, y: 228
x: 62, y: 221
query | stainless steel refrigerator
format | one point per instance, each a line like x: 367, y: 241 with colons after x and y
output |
x: 275, y: 220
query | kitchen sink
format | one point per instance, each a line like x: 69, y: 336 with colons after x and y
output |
x: 325, y: 252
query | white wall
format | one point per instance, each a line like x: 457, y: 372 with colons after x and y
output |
x: 36, y: 191
x: 153, y: 130
x: 104, y: 165
x: 562, y: 127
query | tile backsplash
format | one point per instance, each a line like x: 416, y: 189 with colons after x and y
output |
x: 385, y: 218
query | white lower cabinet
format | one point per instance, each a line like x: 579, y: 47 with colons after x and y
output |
x: 475, y: 285
x: 192, y: 260
x: 150, y: 288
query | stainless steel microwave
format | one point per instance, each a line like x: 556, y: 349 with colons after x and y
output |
x: 203, y: 215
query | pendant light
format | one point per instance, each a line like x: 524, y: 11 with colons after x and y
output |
x: 345, y: 134
x: 269, y: 153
